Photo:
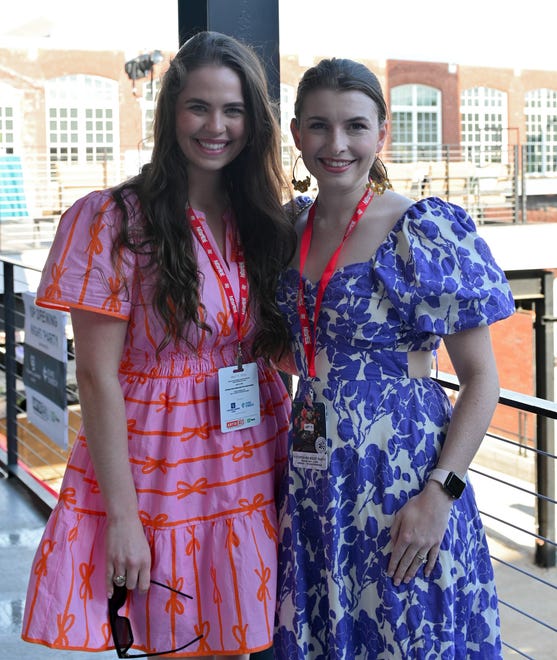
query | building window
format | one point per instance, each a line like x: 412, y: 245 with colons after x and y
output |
x: 484, y: 130
x: 148, y: 102
x: 541, y: 131
x: 9, y: 105
x: 7, y: 136
x: 415, y: 123
x: 287, y: 98
x: 82, y: 116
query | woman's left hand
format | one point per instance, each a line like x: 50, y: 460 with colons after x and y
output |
x: 417, y: 532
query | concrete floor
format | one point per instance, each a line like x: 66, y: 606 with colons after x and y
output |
x: 22, y: 524
x: 21, y: 527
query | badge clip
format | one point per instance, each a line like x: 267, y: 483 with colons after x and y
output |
x: 239, y: 365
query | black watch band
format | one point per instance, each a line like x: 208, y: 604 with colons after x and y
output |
x: 453, y: 483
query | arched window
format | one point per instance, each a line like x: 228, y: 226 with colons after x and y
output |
x: 415, y: 123
x: 541, y: 131
x: 484, y: 128
x: 82, y: 116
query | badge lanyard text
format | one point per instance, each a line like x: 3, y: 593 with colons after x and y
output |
x: 238, y: 311
x: 308, y: 336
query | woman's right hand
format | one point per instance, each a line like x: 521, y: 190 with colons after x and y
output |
x: 127, y: 553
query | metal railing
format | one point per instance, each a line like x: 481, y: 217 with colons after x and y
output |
x: 517, y: 507
x: 491, y: 190
x: 34, y: 191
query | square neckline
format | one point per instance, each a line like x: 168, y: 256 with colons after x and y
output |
x: 395, y: 229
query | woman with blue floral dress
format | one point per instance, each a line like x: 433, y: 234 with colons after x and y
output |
x: 382, y: 551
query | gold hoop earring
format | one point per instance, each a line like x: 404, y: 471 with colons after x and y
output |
x: 303, y: 185
x: 379, y: 187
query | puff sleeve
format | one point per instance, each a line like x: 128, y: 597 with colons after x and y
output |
x: 450, y: 281
x: 79, y: 270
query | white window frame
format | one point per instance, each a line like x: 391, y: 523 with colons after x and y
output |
x: 82, y: 119
x: 540, y: 108
x: 411, y: 115
x: 10, y: 113
x: 484, y: 129
x: 148, y: 104
x: 287, y: 99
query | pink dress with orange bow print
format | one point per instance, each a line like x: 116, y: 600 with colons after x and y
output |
x: 206, y: 498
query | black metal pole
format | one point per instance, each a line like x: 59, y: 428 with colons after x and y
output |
x: 11, y: 366
x: 545, y: 463
x: 256, y: 22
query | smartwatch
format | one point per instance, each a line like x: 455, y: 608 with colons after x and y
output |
x: 452, y: 483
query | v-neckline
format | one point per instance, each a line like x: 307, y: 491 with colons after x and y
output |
x: 226, y: 257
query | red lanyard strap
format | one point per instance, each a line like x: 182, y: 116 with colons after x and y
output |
x: 238, y: 311
x: 308, y: 337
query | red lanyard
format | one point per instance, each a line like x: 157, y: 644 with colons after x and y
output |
x: 238, y: 311
x: 308, y: 337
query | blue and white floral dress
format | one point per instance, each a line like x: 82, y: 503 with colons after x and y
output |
x: 432, y: 276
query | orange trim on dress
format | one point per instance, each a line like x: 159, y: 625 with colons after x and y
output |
x: 65, y: 306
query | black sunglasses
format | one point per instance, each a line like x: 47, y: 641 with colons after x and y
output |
x: 121, y: 627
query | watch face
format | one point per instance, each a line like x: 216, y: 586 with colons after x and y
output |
x: 454, y: 485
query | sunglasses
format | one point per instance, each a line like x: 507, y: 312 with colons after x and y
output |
x: 121, y: 627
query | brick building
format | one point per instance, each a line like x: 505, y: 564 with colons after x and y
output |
x: 477, y: 113
x: 60, y: 108
x: 474, y: 109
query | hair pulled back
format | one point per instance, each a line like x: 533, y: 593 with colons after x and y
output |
x: 344, y: 75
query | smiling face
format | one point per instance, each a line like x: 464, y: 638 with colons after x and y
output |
x: 339, y: 135
x: 211, y: 118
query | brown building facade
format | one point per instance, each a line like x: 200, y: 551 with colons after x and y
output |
x: 60, y: 107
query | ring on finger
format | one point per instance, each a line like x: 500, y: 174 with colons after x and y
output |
x: 119, y: 580
x: 422, y: 558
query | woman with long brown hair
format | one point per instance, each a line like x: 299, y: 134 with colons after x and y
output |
x: 165, y: 533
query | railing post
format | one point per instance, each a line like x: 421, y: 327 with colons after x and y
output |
x: 545, y: 388
x: 447, y: 150
x: 11, y: 366
x: 515, y: 183
x: 524, y: 212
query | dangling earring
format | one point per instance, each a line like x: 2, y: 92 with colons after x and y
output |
x: 303, y: 185
x: 379, y: 187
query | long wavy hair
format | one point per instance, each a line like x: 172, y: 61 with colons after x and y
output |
x: 345, y: 75
x: 255, y: 184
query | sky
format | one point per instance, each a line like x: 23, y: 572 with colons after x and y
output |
x: 475, y: 32
x: 478, y: 32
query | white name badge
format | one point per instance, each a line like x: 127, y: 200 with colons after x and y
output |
x: 239, y: 397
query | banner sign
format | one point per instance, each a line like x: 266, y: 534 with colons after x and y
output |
x: 45, y: 369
